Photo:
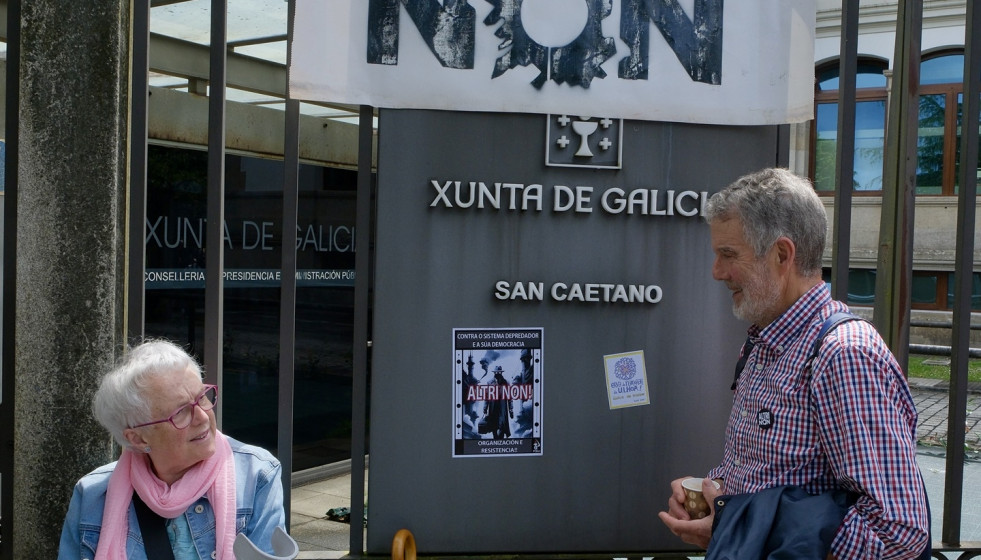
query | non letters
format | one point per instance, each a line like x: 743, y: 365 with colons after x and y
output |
x: 449, y: 29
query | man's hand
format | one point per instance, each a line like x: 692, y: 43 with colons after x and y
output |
x: 697, y: 532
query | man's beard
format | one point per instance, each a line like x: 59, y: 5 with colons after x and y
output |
x: 760, y: 295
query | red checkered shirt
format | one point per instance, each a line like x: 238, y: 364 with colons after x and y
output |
x: 848, y: 421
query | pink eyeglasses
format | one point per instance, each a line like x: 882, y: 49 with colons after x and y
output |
x: 181, y: 418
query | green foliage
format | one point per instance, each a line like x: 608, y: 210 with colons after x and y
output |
x: 825, y: 152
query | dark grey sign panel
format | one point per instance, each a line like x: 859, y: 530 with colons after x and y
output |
x: 475, y: 231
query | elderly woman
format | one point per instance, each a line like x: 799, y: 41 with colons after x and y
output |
x: 177, y: 476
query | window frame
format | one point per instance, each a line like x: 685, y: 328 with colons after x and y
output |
x: 950, y: 91
x: 879, y: 93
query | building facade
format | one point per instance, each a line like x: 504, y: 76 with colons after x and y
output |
x: 938, y: 141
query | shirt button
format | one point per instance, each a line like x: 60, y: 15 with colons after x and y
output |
x: 214, y: 554
x: 743, y: 413
x: 198, y: 508
x: 736, y: 462
x: 759, y: 367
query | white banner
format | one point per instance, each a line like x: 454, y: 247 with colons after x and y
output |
x: 740, y: 62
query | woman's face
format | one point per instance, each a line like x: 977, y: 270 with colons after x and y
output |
x: 173, y: 451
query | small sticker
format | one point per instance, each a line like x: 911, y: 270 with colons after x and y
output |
x: 764, y: 419
x: 626, y: 379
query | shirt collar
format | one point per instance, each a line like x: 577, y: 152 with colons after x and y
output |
x: 787, y: 327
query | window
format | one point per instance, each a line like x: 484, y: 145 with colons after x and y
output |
x: 924, y: 290
x: 324, y: 311
x: 939, y: 135
x: 861, y: 285
x: 975, y: 291
x: 935, y: 290
x: 930, y: 289
x: 870, y: 120
x: 938, y: 130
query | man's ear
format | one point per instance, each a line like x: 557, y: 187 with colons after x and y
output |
x: 785, y: 252
x: 135, y: 438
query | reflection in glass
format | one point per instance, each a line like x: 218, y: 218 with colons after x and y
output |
x: 870, y: 118
x: 947, y: 69
x: 975, y: 291
x: 861, y: 285
x: 324, y: 313
x: 957, y: 176
x: 924, y: 289
x: 867, y: 75
x: 930, y: 145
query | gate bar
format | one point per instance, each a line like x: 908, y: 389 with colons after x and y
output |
x: 845, y: 157
x: 963, y: 269
x: 136, y: 250
x: 287, y: 302
x: 362, y: 284
x: 214, y: 247
x: 894, y: 266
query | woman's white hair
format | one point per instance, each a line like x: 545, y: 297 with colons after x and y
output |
x: 121, y: 400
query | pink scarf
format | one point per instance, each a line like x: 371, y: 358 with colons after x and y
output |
x: 214, y: 476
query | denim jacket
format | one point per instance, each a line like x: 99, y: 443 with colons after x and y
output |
x: 258, y: 499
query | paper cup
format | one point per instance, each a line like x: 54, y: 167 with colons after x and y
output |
x: 695, y: 503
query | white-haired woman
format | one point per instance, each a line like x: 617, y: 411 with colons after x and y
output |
x: 200, y: 488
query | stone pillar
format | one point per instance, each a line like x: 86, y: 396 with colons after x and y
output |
x: 70, y: 251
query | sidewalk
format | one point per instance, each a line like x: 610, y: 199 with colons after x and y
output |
x: 930, y: 397
x: 318, y: 537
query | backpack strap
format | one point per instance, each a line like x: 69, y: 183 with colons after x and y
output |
x: 828, y: 325
x: 746, y: 351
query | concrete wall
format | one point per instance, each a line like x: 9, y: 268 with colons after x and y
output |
x: 934, y: 232
x: 71, y: 208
